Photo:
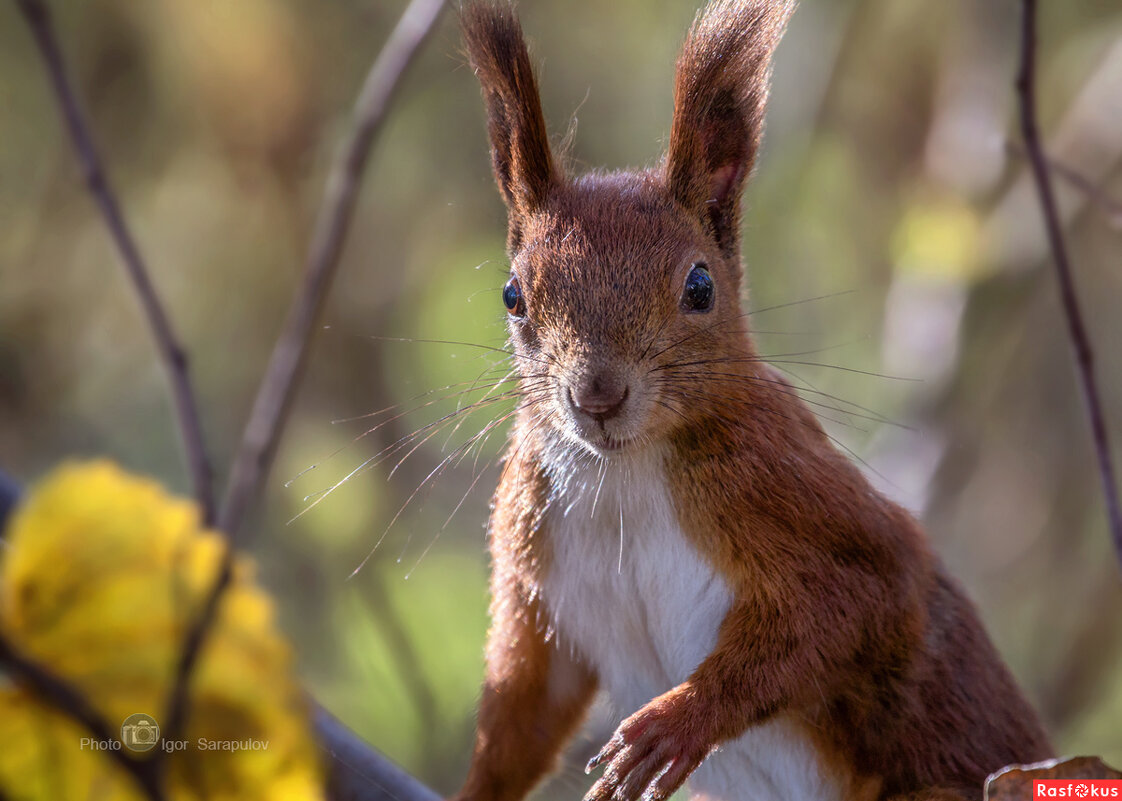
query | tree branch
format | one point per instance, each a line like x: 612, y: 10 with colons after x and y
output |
x: 1084, y: 357
x: 359, y: 773
x: 190, y: 651
x: 275, y: 395
x: 1110, y: 206
x: 174, y: 358
x: 278, y: 386
x: 60, y: 694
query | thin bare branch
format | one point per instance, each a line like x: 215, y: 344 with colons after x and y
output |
x: 58, y: 693
x: 191, y: 651
x: 279, y: 384
x: 1110, y: 206
x: 174, y: 358
x: 1084, y: 356
x: 278, y: 387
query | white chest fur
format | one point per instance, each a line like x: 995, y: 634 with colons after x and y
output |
x: 629, y: 593
x: 624, y: 587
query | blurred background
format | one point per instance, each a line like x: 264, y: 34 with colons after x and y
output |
x: 891, y: 218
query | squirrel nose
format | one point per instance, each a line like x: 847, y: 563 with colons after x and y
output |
x: 599, y: 399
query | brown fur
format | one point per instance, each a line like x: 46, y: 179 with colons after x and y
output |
x: 842, y: 618
x: 520, y: 153
x: 514, y: 749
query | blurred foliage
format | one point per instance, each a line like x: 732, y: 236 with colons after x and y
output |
x: 885, y: 189
x: 103, y: 574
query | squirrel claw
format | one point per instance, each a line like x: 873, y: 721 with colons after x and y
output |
x: 610, y: 749
x: 647, y: 759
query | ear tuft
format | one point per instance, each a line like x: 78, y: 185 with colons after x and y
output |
x: 720, y: 94
x: 520, y: 153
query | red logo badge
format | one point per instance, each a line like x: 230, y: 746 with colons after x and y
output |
x: 1077, y: 788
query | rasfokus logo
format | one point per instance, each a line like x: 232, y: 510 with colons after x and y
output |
x: 1077, y: 788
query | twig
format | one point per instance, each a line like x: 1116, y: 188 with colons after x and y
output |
x: 190, y: 652
x: 1026, y: 91
x: 171, y: 352
x: 39, y: 19
x: 278, y: 386
x: 1092, y: 190
x: 277, y: 389
x: 60, y: 694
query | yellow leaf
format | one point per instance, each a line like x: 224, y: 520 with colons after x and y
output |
x: 103, y: 575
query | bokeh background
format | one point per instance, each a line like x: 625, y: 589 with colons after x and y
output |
x: 887, y: 189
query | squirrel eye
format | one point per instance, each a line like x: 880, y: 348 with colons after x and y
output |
x: 698, y: 294
x: 512, y: 298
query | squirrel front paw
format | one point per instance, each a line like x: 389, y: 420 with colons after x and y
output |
x: 652, y: 752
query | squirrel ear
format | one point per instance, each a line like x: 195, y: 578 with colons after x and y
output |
x: 720, y: 93
x: 520, y: 153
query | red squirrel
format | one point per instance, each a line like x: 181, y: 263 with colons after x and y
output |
x: 672, y: 524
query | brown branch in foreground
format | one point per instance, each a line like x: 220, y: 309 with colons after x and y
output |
x: 171, y: 352
x: 1084, y: 358
x: 274, y: 397
x: 356, y: 772
x: 60, y: 694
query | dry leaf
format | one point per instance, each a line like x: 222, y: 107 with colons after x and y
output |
x: 1014, y: 782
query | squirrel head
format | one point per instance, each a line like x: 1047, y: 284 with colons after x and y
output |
x: 624, y: 292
